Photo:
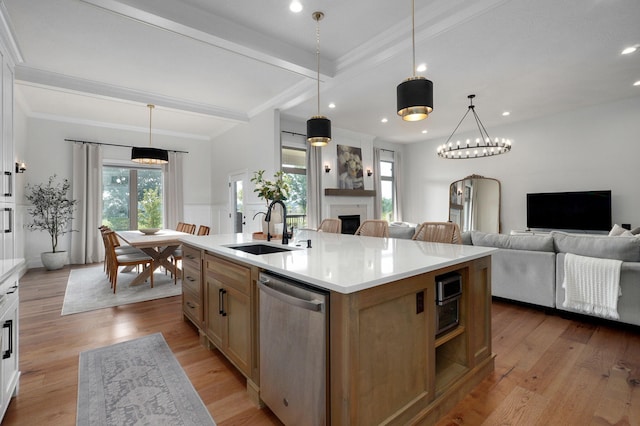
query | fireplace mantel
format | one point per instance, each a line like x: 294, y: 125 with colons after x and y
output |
x: 350, y: 192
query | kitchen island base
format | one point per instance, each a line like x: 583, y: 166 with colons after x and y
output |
x: 386, y: 364
x: 389, y: 359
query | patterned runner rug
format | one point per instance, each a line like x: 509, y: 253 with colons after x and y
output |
x: 138, y: 382
x: 89, y: 289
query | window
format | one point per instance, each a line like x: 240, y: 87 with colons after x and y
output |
x: 294, y: 165
x: 386, y: 189
x: 123, y: 187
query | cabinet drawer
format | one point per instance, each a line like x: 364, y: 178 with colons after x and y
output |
x: 191, y: 257
x: 191, y: 280
x: 229, y: 273
x: 192, y: 307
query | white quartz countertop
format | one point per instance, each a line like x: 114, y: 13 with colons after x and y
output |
x: 343, y: 263
x: 9, y: 266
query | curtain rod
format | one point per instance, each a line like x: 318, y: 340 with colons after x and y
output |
x: 121, y: 146
x: 292, y: 133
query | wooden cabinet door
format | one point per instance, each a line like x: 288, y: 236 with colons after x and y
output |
x: 479, y: 299
x: 213, y: 318
x: 237, y: 339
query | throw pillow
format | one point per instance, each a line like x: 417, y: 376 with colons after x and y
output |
x: 621, y: 248
x: 636, y: 230
x: 616, y: 230
x: 513, y: 242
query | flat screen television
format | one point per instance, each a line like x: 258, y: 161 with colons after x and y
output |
x: 585, y: 210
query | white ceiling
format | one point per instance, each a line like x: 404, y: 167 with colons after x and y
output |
x: 208, y: 65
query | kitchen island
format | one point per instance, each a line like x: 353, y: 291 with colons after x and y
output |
x: 385, y: 361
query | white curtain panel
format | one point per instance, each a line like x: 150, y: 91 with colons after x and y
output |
x: 314, y: 187
x: 86, y: 242
x: 397, y: 187
x: 173, y: 190
x: 377, y: 200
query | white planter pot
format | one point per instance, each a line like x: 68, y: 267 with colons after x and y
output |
x: 53, y: 261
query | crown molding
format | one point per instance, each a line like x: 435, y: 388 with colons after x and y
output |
x: 51, y: 79
x: 7, y: 35
x: 138, y: 129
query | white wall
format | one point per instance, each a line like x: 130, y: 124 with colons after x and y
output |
x: 596, y: 148
x: 20, y: 136
x: 41, y: 144
x: 329, y: 157
x: 245, y: 148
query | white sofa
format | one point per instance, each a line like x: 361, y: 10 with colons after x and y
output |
x: 530, y: 268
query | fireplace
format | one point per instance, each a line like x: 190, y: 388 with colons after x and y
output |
x: 350, y: 223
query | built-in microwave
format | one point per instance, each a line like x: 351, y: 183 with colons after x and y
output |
x: 448, y: 292
x: 448, y: 286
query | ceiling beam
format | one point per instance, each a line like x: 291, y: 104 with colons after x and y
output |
x: 200, y: 25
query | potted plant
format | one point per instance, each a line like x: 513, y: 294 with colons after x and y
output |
x: 270, y: 190
x: 51, y: 211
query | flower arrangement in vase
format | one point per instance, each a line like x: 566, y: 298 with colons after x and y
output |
x: 271, y: 190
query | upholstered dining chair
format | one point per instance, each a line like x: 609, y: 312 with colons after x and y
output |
x: 115, y: 261
x: 332, y: 225
x: 438, y: 232
x: 373, y: 228
x: 118, y: 247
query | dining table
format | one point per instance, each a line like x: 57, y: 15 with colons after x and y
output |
x: 159, y: 245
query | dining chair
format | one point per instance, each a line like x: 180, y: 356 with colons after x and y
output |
x: 373, y: 228
x: 332, y: 225
x: 203, y: 230
x: 438, y: 232
x: 118, y: 246
x: 177, y: 254
x: 189, y: 228
x: 115, y: 261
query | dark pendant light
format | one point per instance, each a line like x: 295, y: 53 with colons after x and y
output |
x: 149, y: 155
x: 414, y: 95
x: 318, y: 126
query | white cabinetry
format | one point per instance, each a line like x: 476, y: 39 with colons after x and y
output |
x: 9, y: 266
x: 9, y: 373
x: 7, y: 156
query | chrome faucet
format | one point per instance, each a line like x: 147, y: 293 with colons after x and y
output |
x: 267, y: 218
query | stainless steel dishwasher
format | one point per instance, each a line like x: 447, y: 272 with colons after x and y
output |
x: 293, y: 350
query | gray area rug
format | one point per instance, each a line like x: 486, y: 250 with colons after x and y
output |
x: 138, y: 382
x: 89, y: 289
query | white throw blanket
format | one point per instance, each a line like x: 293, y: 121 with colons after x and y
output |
x: 592, y: 285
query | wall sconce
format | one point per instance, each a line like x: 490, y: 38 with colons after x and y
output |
x: 21, y: 167
x: 327, y: 169
x: 369, y: 172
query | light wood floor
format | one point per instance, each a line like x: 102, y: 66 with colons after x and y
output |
x: 549, y: 370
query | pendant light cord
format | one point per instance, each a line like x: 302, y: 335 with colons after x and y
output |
x: 481, y: 127
x: 150, y: 110
x: 413, y: 34
x: 317, y: 17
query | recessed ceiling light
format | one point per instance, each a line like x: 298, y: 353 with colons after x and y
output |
x: 421, y: 68
x: 637, y: 83
x: 630, y: 49
x: 332, y: 105
x: 384, y: 120
x: 506, y: 113
x: 295, y: 6
x: 424, y: 132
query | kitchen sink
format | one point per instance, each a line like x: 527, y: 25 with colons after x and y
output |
x: 259, y: 248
